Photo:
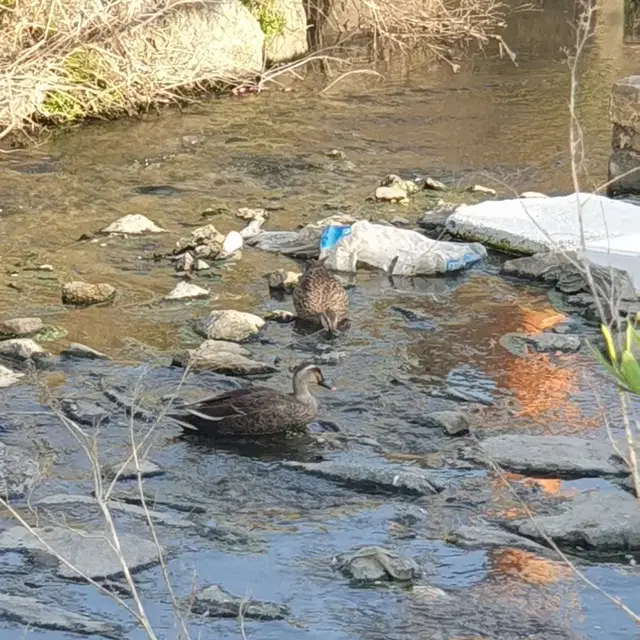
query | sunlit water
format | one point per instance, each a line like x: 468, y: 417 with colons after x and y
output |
x: 493, y: 123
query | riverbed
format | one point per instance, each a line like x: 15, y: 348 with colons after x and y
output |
x: 418, y: 345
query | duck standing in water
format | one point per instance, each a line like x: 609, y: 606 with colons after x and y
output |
x: 320, y: 299
x: 255, y: 411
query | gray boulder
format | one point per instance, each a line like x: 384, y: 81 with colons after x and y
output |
x: 373, y: 564
x: 88, y: 551
x: 455, y: 423
x: 593, y: 521
x: 216, y: 602
x: 29, y: 612
x: 19, y: 471
x: 22, y: 349
x: 20, y: 327
x: 230, y: 325
x: 564, y: 456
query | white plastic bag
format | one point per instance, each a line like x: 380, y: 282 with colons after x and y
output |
x: 379, y: 245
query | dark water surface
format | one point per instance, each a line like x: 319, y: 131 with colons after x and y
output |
x: 493, y: 123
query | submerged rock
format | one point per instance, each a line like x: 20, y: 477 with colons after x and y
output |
x: 591, y: 521
x: 8, y: 377
x: 30, y: 612
x: 87, y: 551
x: 372, y: 564
x: 564, y: 456
x: 374, y: 479
x: 145, y: 469
x: 519, y: 344
x: 77, y: 350
x: 222, y: 357
x: 84, y: 411
x: 20, y: 327
x: 283, y: 280
x: 22, y: 349
x: 19, y: 471
x: 187, y: 291
x: 85, y: 294
x: 132, y: 225
x: 455, y: 423
x: 216, y: 602
x: 230, y: 325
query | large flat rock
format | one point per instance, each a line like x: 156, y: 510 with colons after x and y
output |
x: 88, y: 551
x: 543, y: 224
x: 593, y: 521
x: 564, y: 456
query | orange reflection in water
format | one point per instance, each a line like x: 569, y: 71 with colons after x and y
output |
x: 527, y: 567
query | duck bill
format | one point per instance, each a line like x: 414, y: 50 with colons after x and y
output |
x: 327, y: 385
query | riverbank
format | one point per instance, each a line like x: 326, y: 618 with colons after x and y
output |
x: 61, y: 63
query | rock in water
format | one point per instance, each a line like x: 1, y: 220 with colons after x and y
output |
x: 222, y: 357
x: 133, y: 225
x: 215, y: 602
x: 8, y: 377
x: 22, y: 349
x: 18, y: 471
x: 519, y: 343
x: 552, y: 456
x: 77, y: 350
x: 84, y: 294
x: 281, y: 279
x: 145, y: 468
x: 593, y: 521
x: 455, y: 423
x: 434, y: 185
x: 245, y: 213
x: 205, y: 242
x: 230, y: 325
x: 20, y: 327
x: 187, y: 291
x: 30, y: 612
x: 372, y: 564
x: 87, y: 551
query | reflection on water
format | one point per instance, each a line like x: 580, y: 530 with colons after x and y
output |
x: 493, y: 123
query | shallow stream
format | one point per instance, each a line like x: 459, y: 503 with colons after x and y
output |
x: 494, y: 123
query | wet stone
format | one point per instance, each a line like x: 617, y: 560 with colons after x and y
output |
x: 216, y: 602
x: 84, y: 411
x: 85, y: 294
x: 230, y: 325
x: 373, y: 479
x: 87, y: 551
x: 187, y: 291
x: 22, y: 349
x: 455, y: 423
x: 283, y: 280
x: 8, y: 377
x: 434, y: 185
x: 374, y: 564
x: 77, y: 350
x: 564, y: 456
x: 144, y: 469
x: 519, y: 344
x: 19, y: 471
x: 133, y: 225
x: 20, y: 327
x: 591, y: 521
x: 29, y: 612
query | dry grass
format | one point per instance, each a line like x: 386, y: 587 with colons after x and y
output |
x: 443, y: 26
x: 63, y: 61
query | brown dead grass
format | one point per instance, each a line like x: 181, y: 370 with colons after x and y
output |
x: 62, y: 61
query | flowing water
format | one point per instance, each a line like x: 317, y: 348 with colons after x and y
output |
x: 493, y: 123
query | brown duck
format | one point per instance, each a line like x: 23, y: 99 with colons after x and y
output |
x: 320, y: 299
x: 255, y: 411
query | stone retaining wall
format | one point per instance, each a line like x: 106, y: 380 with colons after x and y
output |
x: 624, y: 163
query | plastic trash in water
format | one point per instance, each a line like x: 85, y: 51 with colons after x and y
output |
x: 397, y: 251
x: 332, y: 234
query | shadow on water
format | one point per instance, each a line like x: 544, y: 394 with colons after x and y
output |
x: 415, y: 345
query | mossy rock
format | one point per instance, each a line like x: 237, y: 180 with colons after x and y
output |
x: 51, y: 333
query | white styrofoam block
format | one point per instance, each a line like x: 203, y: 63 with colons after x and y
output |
x: 542, y: 224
